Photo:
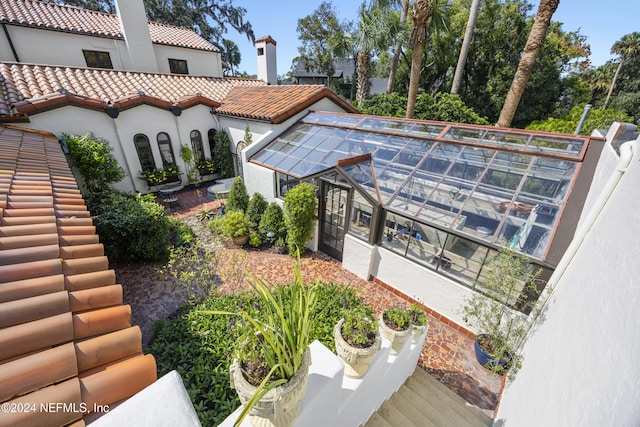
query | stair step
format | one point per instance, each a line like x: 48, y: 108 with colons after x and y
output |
x: 395, y: 415
x: 429, y: 409
x: 377, y: 421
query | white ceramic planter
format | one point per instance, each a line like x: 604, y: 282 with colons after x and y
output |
x: 280, y: 406
x: 418, y: 330
x: 356, y: 360
x: 397, y: 338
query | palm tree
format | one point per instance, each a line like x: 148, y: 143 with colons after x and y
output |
x: 466, y: 42
x: 231, y: 55
x: 397, y: 50
x: 421, y: 12
x: 536, y: 39
x: 371, y: 35
x: 627, y: 47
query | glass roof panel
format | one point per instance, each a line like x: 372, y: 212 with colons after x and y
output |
x: 482, y: 182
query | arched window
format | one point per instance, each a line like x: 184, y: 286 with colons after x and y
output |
x: 166, y: 151
x: 196, y: 145
x: 143, y: 148
x: 211, y: 136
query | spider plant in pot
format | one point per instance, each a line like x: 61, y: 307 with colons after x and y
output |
x: 419, y: 321
x: 272, y: 359
x: 395, y: 325
x: 357, y: 340
x: 504, y: 310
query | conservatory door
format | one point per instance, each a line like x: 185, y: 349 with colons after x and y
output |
x: 334, y: 210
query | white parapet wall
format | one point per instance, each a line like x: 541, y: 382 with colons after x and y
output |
x: 335, y: 400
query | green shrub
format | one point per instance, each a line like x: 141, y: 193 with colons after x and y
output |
x: 93, y: 159
x: 273, y: 221
x: 255, y: 209
x: 238, y: 198
x: 300, y: 206
x: 199, y: 346
x: 596, y: 119
x: 131, y: 227
x: 254, y: 239
x: 235, y: 224
x: 222, y: 155
x: 215, y: 224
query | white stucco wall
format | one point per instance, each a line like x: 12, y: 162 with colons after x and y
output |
x: 36, y: 46
x: 580, y: 366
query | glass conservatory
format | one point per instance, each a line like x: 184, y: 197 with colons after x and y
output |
x: 443, y: 195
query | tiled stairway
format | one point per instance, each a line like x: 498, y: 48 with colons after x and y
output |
x: 424, y: 402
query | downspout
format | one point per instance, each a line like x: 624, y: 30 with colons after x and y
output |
x: 626, y: 156
x: 124, y: 153
x: 13, y: 48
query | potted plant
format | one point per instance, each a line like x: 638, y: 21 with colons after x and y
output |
x: 357, y: 341
x: 419, y: 321
x: 154, y: 176
x: 506, y: 281
x: 172, y: 173
x: 187, y: 157
x: 395, y: 325
x: 206, y: 167
x: 235, y: 224
x: 274, y: 347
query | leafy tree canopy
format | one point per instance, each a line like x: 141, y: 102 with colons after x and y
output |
x: 596, y: 119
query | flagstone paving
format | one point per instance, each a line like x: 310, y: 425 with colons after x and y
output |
x: 448, y: 354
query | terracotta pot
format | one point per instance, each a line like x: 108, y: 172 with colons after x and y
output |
x: 240, y: 240
x: 280, y: 406
x: 397, y: 338
x: 356, y: 360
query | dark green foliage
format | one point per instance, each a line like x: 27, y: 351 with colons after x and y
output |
x: 131, y: 227
x: 255, y: 209
x: 596, y: 119
x: 441, y: 106
x: 92, y: 157
x: 238, y: 198
x: 222, y: 155
x: 273, y: 221
x: 300, y: 207
x: 200, y: 346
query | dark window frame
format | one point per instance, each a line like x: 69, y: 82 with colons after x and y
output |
x: 97, y: 59
x: 143, y: 150
x: 178, y: 66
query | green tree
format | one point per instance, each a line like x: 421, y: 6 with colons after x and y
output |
x: 627, y: 47
x: 422, y: 12
x: 238, y: 198
x: 596, y: 119
x: 92, y: 157
x: 231, y: 55
x: 222, y: 154
x: 314, y: 32
x: 300, y: 208
x: 536, y: 40
x: 273, y: 221
x: 466, y: 43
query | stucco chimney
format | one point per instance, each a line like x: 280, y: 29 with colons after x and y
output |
x: 267, y: 67
x: 135, y: 29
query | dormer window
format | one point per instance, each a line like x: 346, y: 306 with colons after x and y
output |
x: 178, y: 66
x: 97, y: 59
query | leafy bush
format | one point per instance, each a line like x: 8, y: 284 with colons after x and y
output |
x: 222, y: 154
x: 596, y: 119
x: 441, y: 106
x: 235, y: 224
x: 93, y: 159
x: 199, y: 346
x: 238, y: 198
x: 254, y: 239
x: 300, y: 206
x: 255, y: 209
x: 131, y: 227
x: 273, y: 221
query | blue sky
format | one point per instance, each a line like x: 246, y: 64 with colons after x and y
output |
x: 603, y: 22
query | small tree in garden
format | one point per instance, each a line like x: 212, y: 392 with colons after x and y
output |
x: 300, y: 206
x: 273, y: 221
x: 92, y: 157
x: 255, y: 209
x: 238, y: 198
x: 222, y: 154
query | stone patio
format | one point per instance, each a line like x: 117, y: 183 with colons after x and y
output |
x: 448, y: 354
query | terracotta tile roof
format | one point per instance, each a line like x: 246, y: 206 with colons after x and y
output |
x: 266, y: 39
x: 276, y: 103
x: 50, y: 16
x: 65, y: 335
x: 26, y: 88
